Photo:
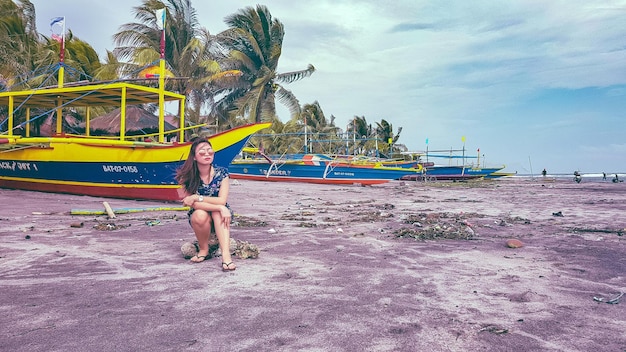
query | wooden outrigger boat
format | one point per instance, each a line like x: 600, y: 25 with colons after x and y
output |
x: 463, y: 172
x: 118, y: 167
x: 316, y: 168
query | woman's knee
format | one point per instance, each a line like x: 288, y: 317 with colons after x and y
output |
x: 200, y: 217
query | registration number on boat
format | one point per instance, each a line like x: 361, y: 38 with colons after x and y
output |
x: 120, y: 168
x: 8, y: 165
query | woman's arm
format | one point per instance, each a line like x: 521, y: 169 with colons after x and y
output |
x: 214, y: 203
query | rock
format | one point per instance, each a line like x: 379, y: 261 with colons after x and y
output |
x: 514, y: 243
x: 189, y: 250
x: 242, y: 249
x: 246, y: 250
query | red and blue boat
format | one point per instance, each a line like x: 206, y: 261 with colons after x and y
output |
x: 318, y: 168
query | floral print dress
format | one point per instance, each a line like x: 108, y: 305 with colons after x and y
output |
x: 213, y: 188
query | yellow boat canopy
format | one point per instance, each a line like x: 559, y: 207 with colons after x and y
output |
x: 118, y: 94
x: 110, y: 94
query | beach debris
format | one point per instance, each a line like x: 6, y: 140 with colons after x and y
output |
x: 431, y: 226
x: 494, y: 329
x: 339, y: 230
x: 271, y: 230
x: 619, y: 232
x: 519, y: 220
x: 126, y: 210
x: 558, y: 213
x: 371, y: 216
x: 245, y: 250
x: 108, y: 226
x: 153, y: 222
x: 27, y: 237
x: 614, y: 300
x: 244, y: 221
x: 514, y: 243
x: 109, y: 210
x: 76, y: 224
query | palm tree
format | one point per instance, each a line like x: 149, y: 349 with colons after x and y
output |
x: 384, y: 132
x: 19, y: 42
x: 361, y: 132
x: 81, y: 59
x: 187, y: 49
x: 255, y: 41
x: 321, y: 132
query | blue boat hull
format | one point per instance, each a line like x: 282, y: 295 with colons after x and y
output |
x: 324, y: 172
x: 142, y: 171
x: 453, y: 173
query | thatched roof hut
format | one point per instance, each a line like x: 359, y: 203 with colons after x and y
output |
x: 137, y: 120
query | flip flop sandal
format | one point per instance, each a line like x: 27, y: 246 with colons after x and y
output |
x: 199, y: 256
x: 226, y: 266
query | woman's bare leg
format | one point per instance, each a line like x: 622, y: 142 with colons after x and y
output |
x: 201, y: 225
x: 223, y: 236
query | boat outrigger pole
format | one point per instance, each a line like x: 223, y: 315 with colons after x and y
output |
x: 61, y: 74
x: 161, y: 15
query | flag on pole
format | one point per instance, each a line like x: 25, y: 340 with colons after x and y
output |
x: 58, y: 21
x: 60, y: 36
x: 160, y: 18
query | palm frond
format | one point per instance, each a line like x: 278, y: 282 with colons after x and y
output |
x: 287, y: 98
x: 290, y: 77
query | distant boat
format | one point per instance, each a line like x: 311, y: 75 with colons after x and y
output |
x: 317, y: 168
x: 499, y: 174
x: 438, y: 172
x: 121, y: 166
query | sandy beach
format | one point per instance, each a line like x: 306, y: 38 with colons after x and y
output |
x: 405, y: 266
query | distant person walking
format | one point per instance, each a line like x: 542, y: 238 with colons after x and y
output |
x: 577, y: 176
x: 544, y: 172
x: 604, y: 176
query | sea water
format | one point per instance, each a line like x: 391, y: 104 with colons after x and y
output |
x: 586, y: 177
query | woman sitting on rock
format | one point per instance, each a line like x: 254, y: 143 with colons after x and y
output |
x: 204, y: 188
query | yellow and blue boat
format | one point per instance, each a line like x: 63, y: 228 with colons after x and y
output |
x: 120, y: 166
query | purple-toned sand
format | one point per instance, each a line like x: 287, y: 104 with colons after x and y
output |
x: 405, y: 266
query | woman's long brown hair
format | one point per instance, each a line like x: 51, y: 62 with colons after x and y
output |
x: 188, y: 175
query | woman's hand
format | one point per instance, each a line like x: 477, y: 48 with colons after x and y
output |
x: 189, y: 200
x: 225, y: 213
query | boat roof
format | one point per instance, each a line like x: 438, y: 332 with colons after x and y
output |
x: 108, y: 94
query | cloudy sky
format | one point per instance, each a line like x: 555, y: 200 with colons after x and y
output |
x: 533, y: 84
